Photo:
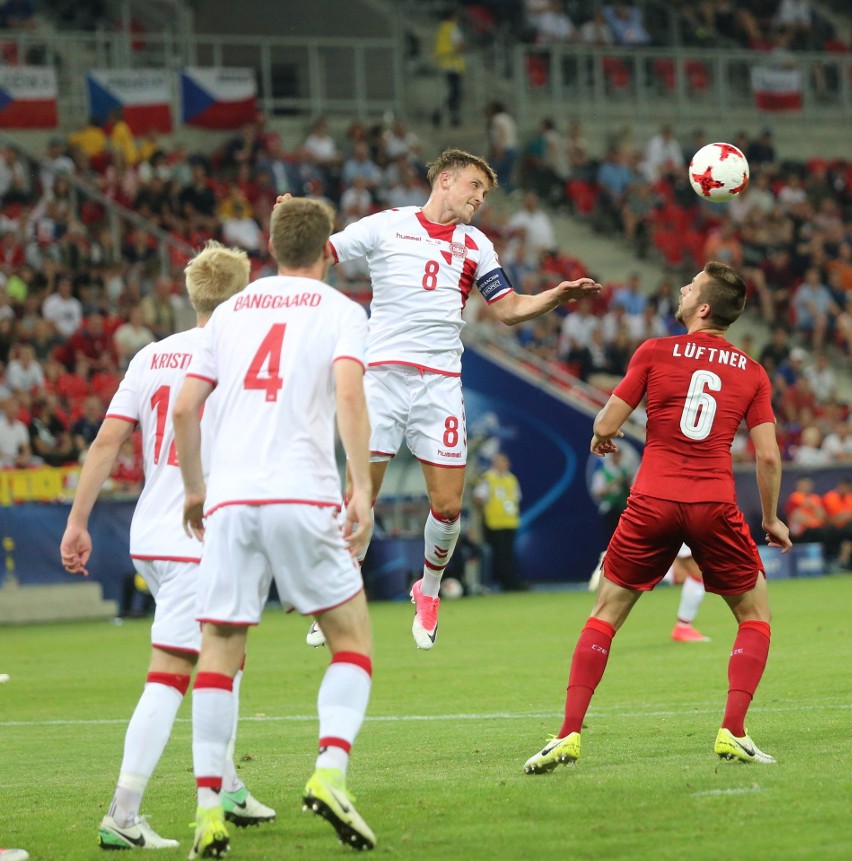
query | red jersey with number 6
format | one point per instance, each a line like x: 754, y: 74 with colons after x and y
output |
x: 698, y: 388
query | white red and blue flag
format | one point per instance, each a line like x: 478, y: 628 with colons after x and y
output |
x: 144, y: 95
x: 28, y: 97
x: 220, y: 98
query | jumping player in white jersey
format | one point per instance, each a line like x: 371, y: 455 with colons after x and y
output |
x: 283, y: 356
x: 685, y: 570
x: 163, y: 554
x: 424, y: 262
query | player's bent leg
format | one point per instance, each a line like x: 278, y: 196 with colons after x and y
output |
x: 147, y: 735
x: 444, y: 486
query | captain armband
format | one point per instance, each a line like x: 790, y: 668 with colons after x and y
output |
x: 493, y: 284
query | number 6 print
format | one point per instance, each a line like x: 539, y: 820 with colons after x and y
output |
x: 699, y: 410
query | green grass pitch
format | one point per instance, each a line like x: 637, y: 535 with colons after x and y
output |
x: 437, y: 770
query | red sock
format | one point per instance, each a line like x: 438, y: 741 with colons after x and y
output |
x: 587, y: 669
x: 745, y: 668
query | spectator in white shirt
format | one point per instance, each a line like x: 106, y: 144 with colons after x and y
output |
x: 531, y: 232
x: 24, y: 373
x: 662, y: 153
x: 62, y: 308
x: 15, y: 452
x: 132, y: 336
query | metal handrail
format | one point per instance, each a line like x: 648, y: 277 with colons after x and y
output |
x: 116, y: 212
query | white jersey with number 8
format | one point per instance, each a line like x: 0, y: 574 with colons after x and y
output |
x: 422, y: 274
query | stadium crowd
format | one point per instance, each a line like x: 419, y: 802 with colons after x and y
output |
x: 79, y: 295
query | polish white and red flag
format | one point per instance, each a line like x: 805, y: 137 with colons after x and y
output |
x: 776, y: 89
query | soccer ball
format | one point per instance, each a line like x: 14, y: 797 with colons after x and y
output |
x: 718, y: 172
x: 451, y: 588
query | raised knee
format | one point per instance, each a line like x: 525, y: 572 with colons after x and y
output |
x: 446, y: 511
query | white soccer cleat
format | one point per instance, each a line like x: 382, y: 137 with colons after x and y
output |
x: 243, y: 809
x: 595, y: 579
x: 137, y: 835
x: 315, y: 637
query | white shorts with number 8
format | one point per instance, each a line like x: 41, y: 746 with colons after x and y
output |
x: 423, y: 409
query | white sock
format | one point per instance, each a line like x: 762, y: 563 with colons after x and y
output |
x: 212, y: 721
x: 691, y: 596
x: 342, y: 703
x: 439, y: 539
x: 144, y: 742
x: 230, y: 779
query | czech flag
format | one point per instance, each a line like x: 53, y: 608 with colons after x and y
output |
x: 218, y: 98
x: 28, y: 97
x: 144, y: 95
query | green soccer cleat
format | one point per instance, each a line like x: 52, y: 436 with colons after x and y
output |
x: 327, y: 796
x: 137, y: 835
x: 728, y: 746
x: 243, y: 809
x: 211, y: 836
x: 557, y: 751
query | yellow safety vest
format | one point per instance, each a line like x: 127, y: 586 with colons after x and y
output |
x: 504, y: 495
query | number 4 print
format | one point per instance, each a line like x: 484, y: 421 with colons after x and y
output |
x: 269, y: 354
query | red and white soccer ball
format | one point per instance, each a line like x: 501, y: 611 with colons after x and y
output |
x: 451, y: 588
x: 718, y: 172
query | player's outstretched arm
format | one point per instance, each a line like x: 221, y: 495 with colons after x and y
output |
x: 608, y: 424
x: 768, y: 474
x: 353, y: 423
x: 187, y: 421
x: 514, y: 308
x: 76, y: 545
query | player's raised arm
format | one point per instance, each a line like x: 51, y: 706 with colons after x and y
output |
x: 513, y: 308
x: 187, y: 422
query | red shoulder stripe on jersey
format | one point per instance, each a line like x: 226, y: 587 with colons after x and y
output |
x: 200, y: 377
x: 120, y: 418
x: 466, y: 280
x: 334, y: 252
x: 436, y: 231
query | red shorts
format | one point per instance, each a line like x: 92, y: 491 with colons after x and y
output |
x: 651, y: 531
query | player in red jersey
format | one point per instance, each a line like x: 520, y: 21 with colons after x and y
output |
x: 698, y: 388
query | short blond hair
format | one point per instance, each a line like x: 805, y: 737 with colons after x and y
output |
x: 299, y: 230
x: 454, y: 160
x: 215, y: 274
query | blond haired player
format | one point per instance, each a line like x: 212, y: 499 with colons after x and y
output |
x: 162, y: 553
x: 284, y: 356
x: 424, y: 262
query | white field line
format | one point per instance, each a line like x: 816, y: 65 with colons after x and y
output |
x: 614, y: 714
x: 742, y: 790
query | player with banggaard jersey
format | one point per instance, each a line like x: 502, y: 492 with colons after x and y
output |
x: 424, y: 262
x: 163, y: 554
x: 698, y: 389
x: 284, y: 356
